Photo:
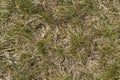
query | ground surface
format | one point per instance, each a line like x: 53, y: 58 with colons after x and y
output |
x: 59, y: 40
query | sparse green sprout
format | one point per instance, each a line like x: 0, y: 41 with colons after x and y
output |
x: 41, y: 47
x: 26, y: 6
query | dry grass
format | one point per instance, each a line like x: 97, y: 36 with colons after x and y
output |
x: 59, y: 40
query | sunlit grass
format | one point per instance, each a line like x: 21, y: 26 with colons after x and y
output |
x: 59, y: 40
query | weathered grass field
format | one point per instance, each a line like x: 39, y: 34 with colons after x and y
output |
x: 59, y: 40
